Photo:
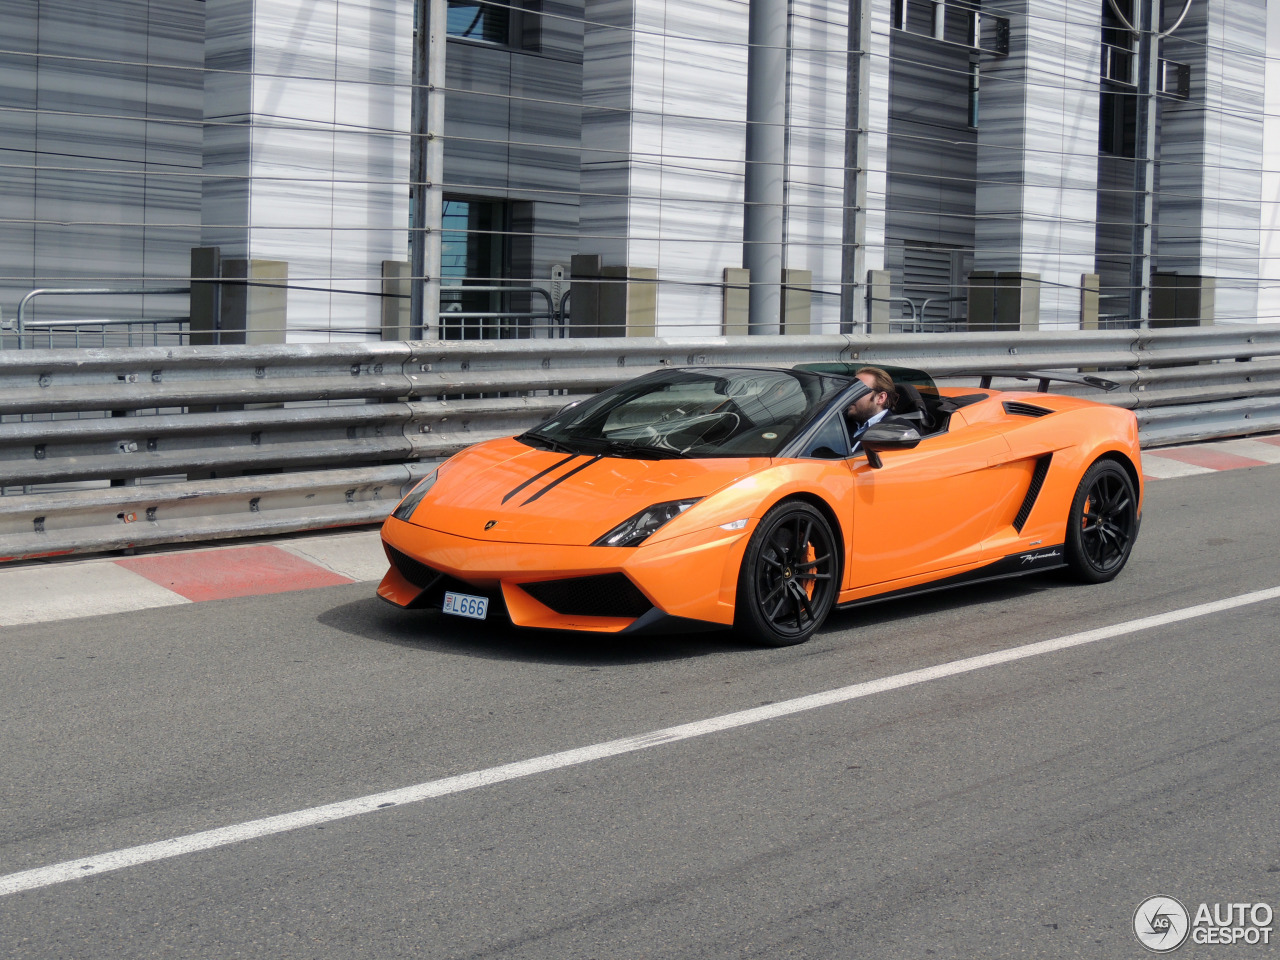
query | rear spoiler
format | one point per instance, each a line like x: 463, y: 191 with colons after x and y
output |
x: 1044, y: 376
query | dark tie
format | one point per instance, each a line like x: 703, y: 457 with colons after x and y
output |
x: 853, y: 448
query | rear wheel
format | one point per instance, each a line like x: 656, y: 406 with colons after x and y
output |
x: 787, y: 584
x: 1103, y: 523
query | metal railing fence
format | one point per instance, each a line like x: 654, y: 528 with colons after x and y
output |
x: 126, y: 331
x: 106, y: 449
x: 26, y: 332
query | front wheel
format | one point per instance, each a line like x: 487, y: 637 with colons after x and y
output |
x: 1103, y: 523
x: 787, y: 584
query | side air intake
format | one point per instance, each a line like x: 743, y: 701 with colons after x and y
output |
x: 1016, y: 408
x: 1037, y: 481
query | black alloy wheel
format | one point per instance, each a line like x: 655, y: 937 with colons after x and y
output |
x: 1103, y: 523
x: 788, y: 581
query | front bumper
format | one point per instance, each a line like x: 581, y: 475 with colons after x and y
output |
x: 691, y: 579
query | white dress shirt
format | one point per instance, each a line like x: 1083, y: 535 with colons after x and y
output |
x: 863, y: 429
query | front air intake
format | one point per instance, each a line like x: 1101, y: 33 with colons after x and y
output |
x: 605, y: 595
x: 416, y: 572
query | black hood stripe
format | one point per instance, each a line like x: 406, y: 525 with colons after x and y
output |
x: 561, y: 479
x: 538, y: 476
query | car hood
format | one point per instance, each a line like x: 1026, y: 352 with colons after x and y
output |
x: 505, y: 491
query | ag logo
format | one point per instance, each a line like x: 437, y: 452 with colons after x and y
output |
x: 490, y: 524
x: 1161, y: 924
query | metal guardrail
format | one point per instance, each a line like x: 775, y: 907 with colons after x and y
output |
x: 105, y: 449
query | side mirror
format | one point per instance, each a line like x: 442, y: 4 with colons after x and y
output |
x: 888, y: 436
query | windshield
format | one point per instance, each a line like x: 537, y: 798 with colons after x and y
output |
x: 710, y: 412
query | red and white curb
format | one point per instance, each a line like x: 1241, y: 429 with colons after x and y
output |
x: 1168, y: 462
x: 62, y: 590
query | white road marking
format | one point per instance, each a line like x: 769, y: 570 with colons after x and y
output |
x: 1253, y: 449
x: 45, y: 592
x: 161, y: 850
x: 358, y: 555
x: 1164, y: 468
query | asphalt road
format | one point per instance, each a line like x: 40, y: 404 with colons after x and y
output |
x: 1020, y: 810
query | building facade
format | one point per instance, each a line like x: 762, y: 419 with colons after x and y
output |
x: 945, y: 166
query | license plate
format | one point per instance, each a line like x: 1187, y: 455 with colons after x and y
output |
x: 465, y: 605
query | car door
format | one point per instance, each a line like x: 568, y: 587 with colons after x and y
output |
x: 929, y: 509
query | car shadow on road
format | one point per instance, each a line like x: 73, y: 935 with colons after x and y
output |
x: 430, y: 630
x: 957, y: 599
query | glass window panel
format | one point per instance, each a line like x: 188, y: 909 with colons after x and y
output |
x: 472, y: 254
x: 479, y: 21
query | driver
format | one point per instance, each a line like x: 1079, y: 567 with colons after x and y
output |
x: 870, y: 407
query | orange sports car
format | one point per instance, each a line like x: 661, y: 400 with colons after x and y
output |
x: 736, y: 496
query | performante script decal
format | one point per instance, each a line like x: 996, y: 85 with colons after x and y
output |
x: 1042, y: 555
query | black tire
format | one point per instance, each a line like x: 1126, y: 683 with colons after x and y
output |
x: 789, y: 576
x: 1103, y: 523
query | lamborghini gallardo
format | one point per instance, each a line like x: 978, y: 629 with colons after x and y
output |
x: 736, y: 497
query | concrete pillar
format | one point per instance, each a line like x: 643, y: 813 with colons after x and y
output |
x: 1089, y: 287
x: 397, y: 315
x: 256, y: 311
x: 1017, y: 301
x: 206, y: 298
x: 1213, y: 153
x: 251, y: 311
x: 1004, y: 300
x: 584, y: 295
x: 1038, y: 154
x: 982, y: 300
x: 628, y: 302
x: 737, y: 302
x: 608, y: 301
x: 1181, y: 301
x: 639, y: 189
x: 306, y: 148
x: 878, y: 304
x: 797, y: 302
x: 764, y: 188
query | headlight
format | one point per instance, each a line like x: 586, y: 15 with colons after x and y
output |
x: 633, y: 532
x: 410, y: 503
